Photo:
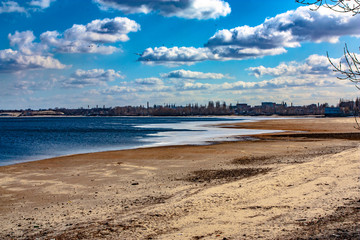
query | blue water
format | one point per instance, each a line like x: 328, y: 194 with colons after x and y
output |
x: 27, y: 139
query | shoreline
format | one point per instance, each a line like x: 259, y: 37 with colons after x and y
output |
x: 278, y: 187
x: 185, y: 116
x: 253, y: 123
x: 190, y: 129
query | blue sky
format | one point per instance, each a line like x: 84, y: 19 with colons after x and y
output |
x: 64, y: 53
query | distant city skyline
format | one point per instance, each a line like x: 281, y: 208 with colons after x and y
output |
x: 108, y: 52
x: 350, y: 104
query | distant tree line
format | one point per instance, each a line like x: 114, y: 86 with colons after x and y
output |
x: 344, y: 108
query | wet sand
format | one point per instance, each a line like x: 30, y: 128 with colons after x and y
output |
x: 300, y: 184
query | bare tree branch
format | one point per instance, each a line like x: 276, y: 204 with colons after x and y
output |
x: 352, y: 6
x: 357, y: 121
x: 351, y: 71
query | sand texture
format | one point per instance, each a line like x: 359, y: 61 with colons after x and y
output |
x: 300, y: 184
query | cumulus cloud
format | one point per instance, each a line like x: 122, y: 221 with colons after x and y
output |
x: 189, y: 9
x: 88, y: 38
x: 290, y: 29
x: 13, y: 61
x: 239, y: 53
x: 193, y: 75
x: 314, y: 64
x: 91, y: 37
x: 27, y: 55
x: 103, y: 31
x: 82, y: 78
x: 54, y: 40
x: 272, y: 37
x: 176, y: 56
x: 24, y: 41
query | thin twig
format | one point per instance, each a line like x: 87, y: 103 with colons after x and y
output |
x: 335, y: 5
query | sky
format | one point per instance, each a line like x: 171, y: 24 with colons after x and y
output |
x: 65, y: 53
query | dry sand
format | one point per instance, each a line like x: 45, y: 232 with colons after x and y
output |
x: 280, y: 186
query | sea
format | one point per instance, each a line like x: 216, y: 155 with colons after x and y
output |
x: 25, y: 139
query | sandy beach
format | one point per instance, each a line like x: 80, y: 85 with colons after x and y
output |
x: 300, y: 184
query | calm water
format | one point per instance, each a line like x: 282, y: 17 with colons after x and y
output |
x: 26, y: 139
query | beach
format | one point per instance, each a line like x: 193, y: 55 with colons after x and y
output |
x: 302, y: 183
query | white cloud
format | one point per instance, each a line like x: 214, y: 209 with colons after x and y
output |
x: 290, y: 29
x: 103, y: 31
x: 140, y: 85
x: 28, y: 54
x: 41, y: 3
x: 273, y: 88
x: 101, y: 74
x: 304, y: 81
x: 176, y: 56
x: 193, y: 75
x: 272, y: 37
x: 114, y: 90
x: 90, y: 38
x: 152, y: 81
x: 10, y: 7
x: 314, y: 64
x: 291, y: 77
x: 78, y: 39
x: 304, y: 88
x: 315, y: 68
x: 24, y: 6
x: 238, y: 53
x: 13, y: 61
x: 151, y: 84
x: 189, y: 9
x: 53, y: 39
x: 82, y: 78
x: 282, y: 69
x: 24, y: 41
x: 191, y: 86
